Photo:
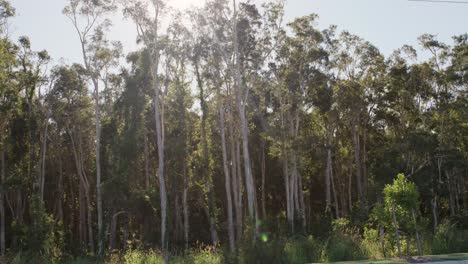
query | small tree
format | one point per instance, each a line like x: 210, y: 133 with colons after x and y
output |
x: 401, y: 199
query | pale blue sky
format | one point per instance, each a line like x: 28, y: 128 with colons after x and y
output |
x: 388, y: 24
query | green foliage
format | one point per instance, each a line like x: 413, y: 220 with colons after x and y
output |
x: 142, y: 257
x: 41, y: 237
x: 372, y: 244
x: 402, y: 193
x: 297, y: 249
x: 344, y: 243
x: 207, y: 255
x: 302, y: 250
x: 317, y: 101
x: 449, y: 239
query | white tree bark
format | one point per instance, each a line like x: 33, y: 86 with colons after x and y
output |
x: 78, y: 156
x: 227, y: 181
x: 241, y: 104
x: 160, y: 144
x: 236, y: 178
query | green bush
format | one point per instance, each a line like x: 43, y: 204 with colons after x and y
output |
x: 301, y: 250
x: 449, y: 239
x: 142, y: 257
x: 344, y: 243
x: 262, y: 252
x: 371, y: 244
x: 343, y: 248
x: 207, y: 255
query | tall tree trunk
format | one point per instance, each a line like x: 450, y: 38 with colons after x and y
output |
x: 335, y: 195
x: 2, y: 201
x: 82, y: 216
x: 249, y: 181
x: 98, y: 169
x: 418, y: 241
x: 146, y: 153
x: 87, y: 192
x: 90, y: 220
x: 350, y: 188
x: 176, y: 213
x: 235, y: 182
x: 43, y: 160
x: 60, y: 191
x: 357, y: 160
x: 227, y: 181
x: 206, y: 165
x: 397, y: 234
x: 263, y: 169
x: 451, y: 200
x: 295, y: 184
x: 458, y: 191
x: 328, y: 178
x: 364, y: 161
x: 186, y: 209
x: 434, y: 211
x: 464, y: 188
x: 158, y: 116
x: 73, y: 206
x: 162, y: 180
x: 240, y: 214
x: 85, y: 202
x: 289, y: 209
x: 302, y: 202
x: 344, y: 206
x: 241, y: 102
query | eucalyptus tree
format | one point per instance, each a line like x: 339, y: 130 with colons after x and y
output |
x: 6, y: 12
x: 357, y: 63
x: 7, y: 103
x: 149, y: 26
x: 88, y: 19
x: 71, y: 109
x: 245, y: 39
x: 300, y: 61
x: 179, y: 102
x: 200, y: 58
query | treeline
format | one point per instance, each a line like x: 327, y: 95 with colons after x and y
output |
x: 229, y: 127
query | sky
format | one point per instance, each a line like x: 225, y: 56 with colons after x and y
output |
x: 388, y: 24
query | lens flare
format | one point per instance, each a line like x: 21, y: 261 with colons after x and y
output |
x: 264, y: 237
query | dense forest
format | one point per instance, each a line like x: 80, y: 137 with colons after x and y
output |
x: 231, y: 136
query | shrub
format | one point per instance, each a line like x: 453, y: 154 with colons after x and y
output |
x: 208, y: 255
x: 371, y: 244
x: 449, y: 239
x: 142, y: 257
x: 262, y: 252
x: 344, y: 243
x: 301, y: 250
